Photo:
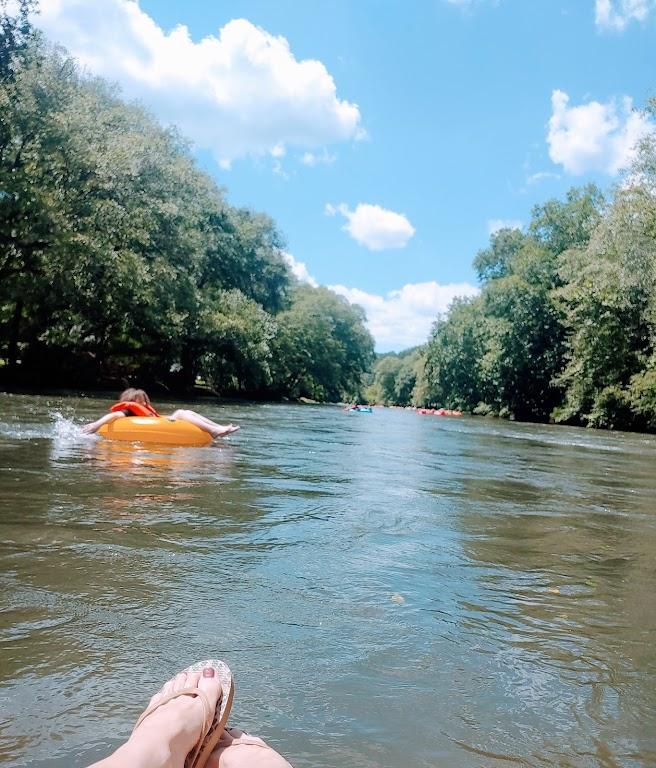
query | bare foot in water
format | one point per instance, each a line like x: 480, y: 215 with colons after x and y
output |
x: 166, y: 736
x: 228, y: 429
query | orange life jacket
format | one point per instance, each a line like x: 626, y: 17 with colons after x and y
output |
x: 136, y: 409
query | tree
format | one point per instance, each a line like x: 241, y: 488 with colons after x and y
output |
x: 322, y: 347
x: 454, y: 356
x: 561, y: 225
x: 610, y: 314
x: 506, y: 349
x: 494, y: 262
x: 114, y: 244
x: 16, y: 35
x: 386, y: 371
x: 394, y: 377
x: 238, y: 344
x: 524, y: 347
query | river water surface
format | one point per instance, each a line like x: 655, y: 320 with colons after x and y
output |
x: 390, y: 590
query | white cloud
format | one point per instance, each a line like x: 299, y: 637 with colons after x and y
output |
x: 400, y: 319
x: 299, y: 270
x: 594, y: 136
x: 403, y: 318
x: 617, y: 14
x: 315, y: 158
x: 374, y: 227
x: 241, y: 93
x: 277, y: 168
x: 494, y: 225
x: 536, y: 178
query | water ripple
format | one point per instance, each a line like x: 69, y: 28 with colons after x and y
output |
x: 389, y: 591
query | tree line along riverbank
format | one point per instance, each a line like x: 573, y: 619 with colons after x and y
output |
x: 121, y: 261
x: 564, y: 328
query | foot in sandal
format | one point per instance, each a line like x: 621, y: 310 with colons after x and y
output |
x: 182, y: 723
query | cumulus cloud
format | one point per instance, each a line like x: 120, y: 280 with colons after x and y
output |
x: 616, y: 15
x: 376, y: 228
x: 494, y: 225
x: 403, y: 318
x: 594, y: 136
x: 240, y: 93
x: 299, y: 270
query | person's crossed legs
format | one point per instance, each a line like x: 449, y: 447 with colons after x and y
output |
x: 170, y: 732
x: 167, y: 735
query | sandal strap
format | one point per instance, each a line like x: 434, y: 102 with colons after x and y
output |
x: 208, y: 712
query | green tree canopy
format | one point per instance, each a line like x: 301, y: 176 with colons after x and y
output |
x: 564, y: 325
x: 322, y: 347
x: 121, y: 261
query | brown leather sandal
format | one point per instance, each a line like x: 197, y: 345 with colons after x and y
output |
x: 213, y: 722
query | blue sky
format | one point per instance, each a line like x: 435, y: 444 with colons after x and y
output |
x: 386, y: 138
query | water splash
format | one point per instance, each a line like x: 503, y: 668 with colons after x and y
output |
x: 61, y: 429
x: 65, y: 430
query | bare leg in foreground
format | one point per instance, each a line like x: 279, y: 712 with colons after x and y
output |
x: 167, y: 736
x: 207, y: 425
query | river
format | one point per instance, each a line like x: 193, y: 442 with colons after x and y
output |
x: 390, y: 590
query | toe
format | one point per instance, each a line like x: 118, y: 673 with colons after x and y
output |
x: 210, y: 684
x: 167, y: 688
x: 179, y: 682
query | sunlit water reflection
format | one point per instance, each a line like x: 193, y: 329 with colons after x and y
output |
x: 389, y: 589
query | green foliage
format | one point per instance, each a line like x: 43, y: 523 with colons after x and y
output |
x: 455, y: 365
x: 322, y: 347
x: 120, y: 261
x: 397, y: 379
x: 610, y: 309
x: 386, y: 371
x: 524, y: 337
x: 494, y: 262
x: 641, y: 396
x: 238, y: 336
x: 16, y: 34
x: 562, y: 225
x: 565, y: 326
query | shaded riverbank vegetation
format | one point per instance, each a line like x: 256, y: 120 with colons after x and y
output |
x: 122, y: 261
x: 564, y: 328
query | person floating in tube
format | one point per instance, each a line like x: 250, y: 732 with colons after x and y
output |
x: 135, y: 402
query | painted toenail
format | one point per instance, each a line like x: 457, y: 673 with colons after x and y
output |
x: 208, y: 672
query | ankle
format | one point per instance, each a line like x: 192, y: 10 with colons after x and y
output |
x: 140, y: 752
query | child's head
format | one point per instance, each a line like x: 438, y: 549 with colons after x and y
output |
x: 132, y: 395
